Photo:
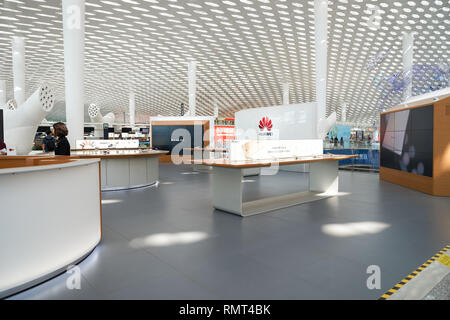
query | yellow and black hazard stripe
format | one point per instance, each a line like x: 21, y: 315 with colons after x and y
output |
x: 413, y: 274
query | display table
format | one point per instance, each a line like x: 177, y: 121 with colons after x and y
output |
x: 50, y: 217
x: 126, y: 169
x: 227, y: 183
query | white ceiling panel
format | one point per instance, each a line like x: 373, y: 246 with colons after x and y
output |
x: 245, y: 50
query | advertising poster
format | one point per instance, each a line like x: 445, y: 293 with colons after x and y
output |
x: 340, y: 131
x: 224, y: 134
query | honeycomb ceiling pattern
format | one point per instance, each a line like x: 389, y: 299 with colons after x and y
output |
x: 245, y: 50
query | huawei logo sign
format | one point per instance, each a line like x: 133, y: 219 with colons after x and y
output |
x: 265, y: 123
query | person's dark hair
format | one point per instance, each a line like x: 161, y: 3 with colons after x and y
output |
x: 48, y: 132
x: 60, y: 129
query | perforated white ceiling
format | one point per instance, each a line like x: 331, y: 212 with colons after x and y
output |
x: 245, y: 50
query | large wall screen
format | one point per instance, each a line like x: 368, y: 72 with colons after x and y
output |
x: 407, y: 140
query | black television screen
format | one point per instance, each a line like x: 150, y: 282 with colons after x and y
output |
x: 145, y: 130
x: 407, y: 140
x: 164, y: 137
x: 89, y: 129
x: 126, y: 130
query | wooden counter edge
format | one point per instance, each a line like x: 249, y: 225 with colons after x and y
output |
x: 118, y: 156
x: 268, y: 164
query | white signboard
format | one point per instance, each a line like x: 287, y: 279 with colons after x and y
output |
x: 291, y: 122
x: 274, y: 149
x: 107, y: 144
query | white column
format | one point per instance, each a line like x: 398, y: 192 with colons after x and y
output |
x: 408, y: 46
x: 285, y: 94
x: 216, y: 107
x: 321, y: 21
x: 192, y: 65
x: 344, y: 112
x: 18, y: 61
x: 132, y: 109
x: 73, y: 20
x: 2, y: 93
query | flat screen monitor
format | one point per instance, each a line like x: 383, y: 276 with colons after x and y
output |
x: 43, y: 128
x: 407, y: 140
x: 145, y: 130
x: 167, y: 137
x: 89, y: 129
x: 126, y: 130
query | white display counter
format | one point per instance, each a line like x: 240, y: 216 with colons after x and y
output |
x: 228, y: 184
x: 126, y: 169
x: 50, y: 218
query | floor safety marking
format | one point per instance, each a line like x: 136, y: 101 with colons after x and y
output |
x: 440, y: 257
x: 445, y: 260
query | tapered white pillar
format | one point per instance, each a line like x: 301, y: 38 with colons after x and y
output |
x: 73, y: 20
x: 344, y: 112
x: 408, y: 46
x: 320, y: 23
x: 2, y: 93
x: 285, y: 94
x: 18, y: 62
x: 132, y: 108
x: 192, y: 85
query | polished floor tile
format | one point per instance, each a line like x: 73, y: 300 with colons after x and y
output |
x: 168, y: 242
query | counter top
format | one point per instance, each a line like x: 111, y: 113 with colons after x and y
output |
x: 116, y: 154
x: 267, y: 163
x: 44, y: 163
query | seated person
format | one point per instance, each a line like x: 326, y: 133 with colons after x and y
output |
x: 49, y: 142
x: 62, y: 144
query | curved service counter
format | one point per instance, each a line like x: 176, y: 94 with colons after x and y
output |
x: 40, y: 238
x: 125, y: 169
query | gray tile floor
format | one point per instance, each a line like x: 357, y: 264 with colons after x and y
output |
x: 169, y: 243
